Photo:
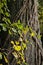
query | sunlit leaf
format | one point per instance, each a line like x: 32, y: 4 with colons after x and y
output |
x: 20, y: 27
x: 24, y: 31
x: 27, y: 29
x: 8, y: 20
x: 14, y: 30
x: 17, y: 42
x: 20, y: 33
x: 17, y: 48
x: 14, y: 24
x: 32, y: 34
x: 6, y: 60
x: 20, y: 39
x: 3, y: 25
x: 21, y: 53
x: 15, y: 54
x: 1, y: 11
x: 22, y: 48
x: 12, y: 42
x: 24, y: 45
x: 4, y: 29
x: 23, y: 58
x: 7, y: 14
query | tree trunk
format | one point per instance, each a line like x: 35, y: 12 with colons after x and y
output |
x: 28, y: 14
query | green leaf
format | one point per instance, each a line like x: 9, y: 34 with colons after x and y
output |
x: 2, y: 24
x: 14, y: 24
x: 18, y: 21
x: 24, y: 45
x: 1, y: 11
x: 8, y: 20
x: 4, y: 29
x: 7, y: 14
x: 39, y: 36
x: 0, y: 55
x: 4, y: 19
x: 9, y: 32
x: 1, y: 5
x: 14, y: 30
x: 20, y: 27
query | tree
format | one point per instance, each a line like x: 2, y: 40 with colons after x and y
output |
x: 40, y: 9
x: 19, y: 21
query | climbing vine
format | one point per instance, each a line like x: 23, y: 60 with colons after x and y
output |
x: 17, y: 32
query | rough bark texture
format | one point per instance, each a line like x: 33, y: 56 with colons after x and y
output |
x: 27, y: 13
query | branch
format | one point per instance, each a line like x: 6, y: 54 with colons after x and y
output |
x: 3, y: 50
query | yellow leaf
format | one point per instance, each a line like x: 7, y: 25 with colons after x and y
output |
x: 32, y: 34
x: 17, y: 48
x: 12, y: 42
x: 6, y: 60
x: 17, y: 42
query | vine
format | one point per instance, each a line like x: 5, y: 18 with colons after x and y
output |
x: 17, y: 31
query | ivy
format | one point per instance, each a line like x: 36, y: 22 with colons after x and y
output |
x: 17, y: 30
